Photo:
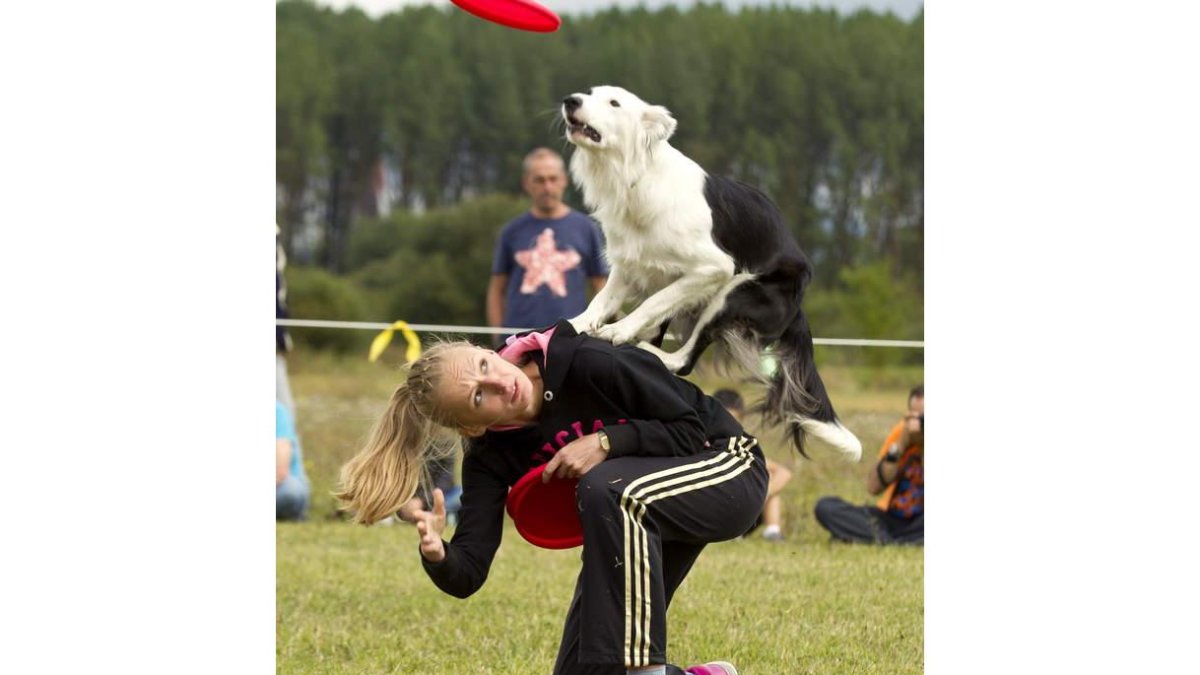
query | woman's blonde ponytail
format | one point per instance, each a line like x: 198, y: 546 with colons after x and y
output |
x: 385, y: 473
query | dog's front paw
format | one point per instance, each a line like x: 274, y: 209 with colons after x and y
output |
x: 619, y: 333
x: 585, y: 323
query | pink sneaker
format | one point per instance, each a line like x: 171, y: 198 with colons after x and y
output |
x: 713, y: 668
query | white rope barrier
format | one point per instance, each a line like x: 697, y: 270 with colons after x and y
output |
x: 490, y: 330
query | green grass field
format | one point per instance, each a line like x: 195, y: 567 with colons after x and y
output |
x: 351, y: 599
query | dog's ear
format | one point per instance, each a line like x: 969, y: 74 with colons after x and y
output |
x: 658, y: 123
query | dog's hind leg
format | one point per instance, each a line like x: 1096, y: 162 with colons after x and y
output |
x: 657, y: 340
x: 705, y: 338
x: 682, y: 360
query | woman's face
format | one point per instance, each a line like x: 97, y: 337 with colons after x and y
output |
x: 479, y: 389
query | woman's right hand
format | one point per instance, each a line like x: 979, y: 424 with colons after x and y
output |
x: 430, y: 525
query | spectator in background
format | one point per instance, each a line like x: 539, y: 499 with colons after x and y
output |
x: 899, y: 477
x: 778, y: 474
x: 291, y: 484
x: 545, y: 258
x: 283, y: 341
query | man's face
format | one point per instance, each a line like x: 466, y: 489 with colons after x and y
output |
x: 916, y: 413
x: 916, y: 405
x: 545, y: 182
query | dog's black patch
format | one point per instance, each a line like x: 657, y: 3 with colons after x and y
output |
x: 748, y: 226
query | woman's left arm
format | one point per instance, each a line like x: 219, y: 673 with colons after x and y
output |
x: 661, y: 421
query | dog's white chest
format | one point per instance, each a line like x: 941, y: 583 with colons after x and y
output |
x: 659, y: 254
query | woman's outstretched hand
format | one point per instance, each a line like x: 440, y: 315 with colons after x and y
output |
x: 430, y: 525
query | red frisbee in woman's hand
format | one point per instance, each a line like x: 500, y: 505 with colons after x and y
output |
x: 519, y: 14
x: 545, y: 513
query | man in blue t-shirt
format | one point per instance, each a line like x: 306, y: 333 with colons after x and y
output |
x: 546, y: 257
x: 291, y: 484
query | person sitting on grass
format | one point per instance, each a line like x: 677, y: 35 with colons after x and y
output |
x: 291, y: 484
x: 662, y: 471
x: 772, y: 513
x: 899, y: 477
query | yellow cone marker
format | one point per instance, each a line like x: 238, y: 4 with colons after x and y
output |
x: 381, y: 341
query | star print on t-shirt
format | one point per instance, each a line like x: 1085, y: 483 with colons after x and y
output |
x: 545, y: 264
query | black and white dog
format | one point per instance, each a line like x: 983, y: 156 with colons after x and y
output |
x: 710, y: 257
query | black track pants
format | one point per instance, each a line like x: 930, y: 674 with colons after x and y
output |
x: 645, y: 520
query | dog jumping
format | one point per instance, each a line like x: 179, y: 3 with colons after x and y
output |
x: 709, y: 257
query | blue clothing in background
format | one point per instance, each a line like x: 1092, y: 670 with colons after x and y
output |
x: 548, y: 263
x: 285, y: 428
x: 291, y: 496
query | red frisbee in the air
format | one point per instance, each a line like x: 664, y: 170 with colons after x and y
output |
x: 519, y: 14
x: 545, y: 513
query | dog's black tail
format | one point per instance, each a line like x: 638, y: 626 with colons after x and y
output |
x: 796, y: 396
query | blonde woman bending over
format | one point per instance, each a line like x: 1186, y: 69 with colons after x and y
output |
x: 663, y: 470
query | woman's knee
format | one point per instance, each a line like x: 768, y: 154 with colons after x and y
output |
x: 595, y: 493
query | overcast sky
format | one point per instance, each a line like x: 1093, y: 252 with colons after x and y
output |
x: 903, y: 8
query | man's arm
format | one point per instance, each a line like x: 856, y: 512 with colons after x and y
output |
x: 283, y: 458
x: 886, y: 469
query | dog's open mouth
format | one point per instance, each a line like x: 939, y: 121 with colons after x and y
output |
x: 578, y: 127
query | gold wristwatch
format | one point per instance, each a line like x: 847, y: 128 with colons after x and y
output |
x: 604, y: 444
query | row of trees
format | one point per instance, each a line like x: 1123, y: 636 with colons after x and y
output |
x: 822, y: 111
